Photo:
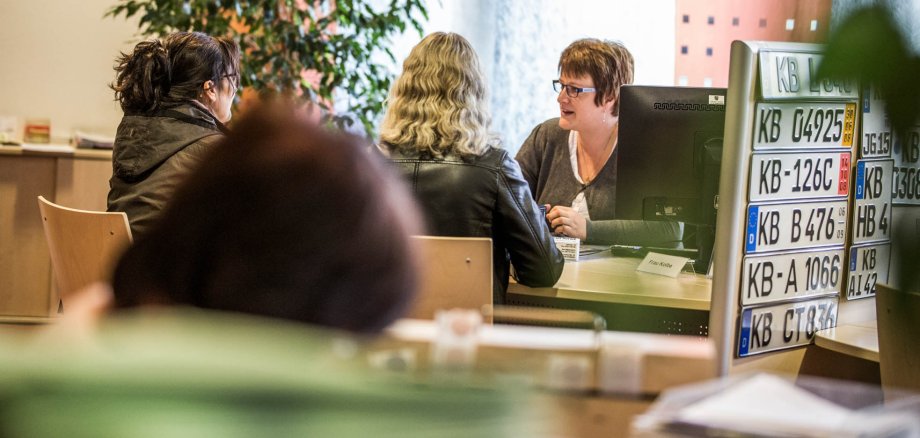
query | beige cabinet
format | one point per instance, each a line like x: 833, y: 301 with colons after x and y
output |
x: 78, y: 180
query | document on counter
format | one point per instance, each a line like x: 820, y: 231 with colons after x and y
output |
x: 48, y: 147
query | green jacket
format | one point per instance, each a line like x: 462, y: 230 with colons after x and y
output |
x: 152, y: 155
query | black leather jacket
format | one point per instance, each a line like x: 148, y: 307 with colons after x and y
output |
x: 486, y: 196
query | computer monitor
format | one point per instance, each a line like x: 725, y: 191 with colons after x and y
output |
x: 669, y: 158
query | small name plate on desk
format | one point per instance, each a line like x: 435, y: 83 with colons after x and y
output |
x: 569, y: 247
x: 662, y: 264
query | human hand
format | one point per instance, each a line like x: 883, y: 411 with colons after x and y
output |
x: 566, y: 221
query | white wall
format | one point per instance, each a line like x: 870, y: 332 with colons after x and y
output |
x: 56, y: 59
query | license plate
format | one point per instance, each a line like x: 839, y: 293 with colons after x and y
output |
x: 781, y: 176
x: 876, y: 130
x: 905, y: 189
x: 804, y: 125
x: 868, y: 266
x: 780, y: 277
x: 786, y: 325
x: 791, y: 75
x: 777, y: 227
x: 872, y: 194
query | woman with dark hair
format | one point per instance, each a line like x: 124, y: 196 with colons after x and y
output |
x: 436, y: 129
x: 570, y: 161
x: 176, y: 94
x: 241, y: 234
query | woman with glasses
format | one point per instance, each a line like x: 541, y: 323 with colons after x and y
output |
x: 436, y: 130
x: 176, y: 94
x: 570, y: 161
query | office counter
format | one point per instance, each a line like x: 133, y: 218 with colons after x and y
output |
x: 629, y: 300
x: 78, y: 180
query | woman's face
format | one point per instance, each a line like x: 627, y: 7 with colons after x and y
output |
x: 224, y: 100
x: 580, y: 113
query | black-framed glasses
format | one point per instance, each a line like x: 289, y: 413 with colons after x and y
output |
x: 571, y: 90
x: 232, y: 78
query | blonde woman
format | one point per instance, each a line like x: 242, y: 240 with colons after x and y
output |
x: 436, y: 130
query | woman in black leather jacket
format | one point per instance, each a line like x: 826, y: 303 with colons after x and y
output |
x: 436, y: 131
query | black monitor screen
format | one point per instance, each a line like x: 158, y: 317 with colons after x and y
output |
x: 669, y: 156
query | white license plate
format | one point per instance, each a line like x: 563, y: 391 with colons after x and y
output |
x: 789, y: 175
x: 804, y: 125
x: 791, y: 75
x: 868, y: 266
x: 778, y: 227
x: 786, y: 325
x: 780, y: 277
x: 872, y: 201
x: 876, y: 130
x: 905, y: 189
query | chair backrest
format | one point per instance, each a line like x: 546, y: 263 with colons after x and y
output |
x: 84, y: 245
x: 456, y: 272
x: 898, y: 313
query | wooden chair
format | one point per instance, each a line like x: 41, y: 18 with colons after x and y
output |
x: 456, y: 272
x: 84, y: 245
x: 897, y: 313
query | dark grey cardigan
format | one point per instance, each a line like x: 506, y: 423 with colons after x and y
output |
x: 545, y: 161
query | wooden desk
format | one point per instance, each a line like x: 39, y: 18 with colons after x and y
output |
x: 78, y: 180
x: 629, y: 300
x: 855, y: 339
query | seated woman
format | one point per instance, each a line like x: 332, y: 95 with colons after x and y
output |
x: 570, y: 161
x: 436, y: 131
x: 286, y: 221
x: 176, y: 94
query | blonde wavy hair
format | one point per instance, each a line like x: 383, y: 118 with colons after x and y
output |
x: 439, y: 103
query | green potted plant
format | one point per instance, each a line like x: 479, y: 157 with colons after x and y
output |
x: 315, y: 50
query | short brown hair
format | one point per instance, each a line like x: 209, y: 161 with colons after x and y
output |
x: 286, y: 220
x: 609, y: 64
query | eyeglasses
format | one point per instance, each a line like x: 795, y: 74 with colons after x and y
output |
x: 232, y: 78
x: 571, y: 90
